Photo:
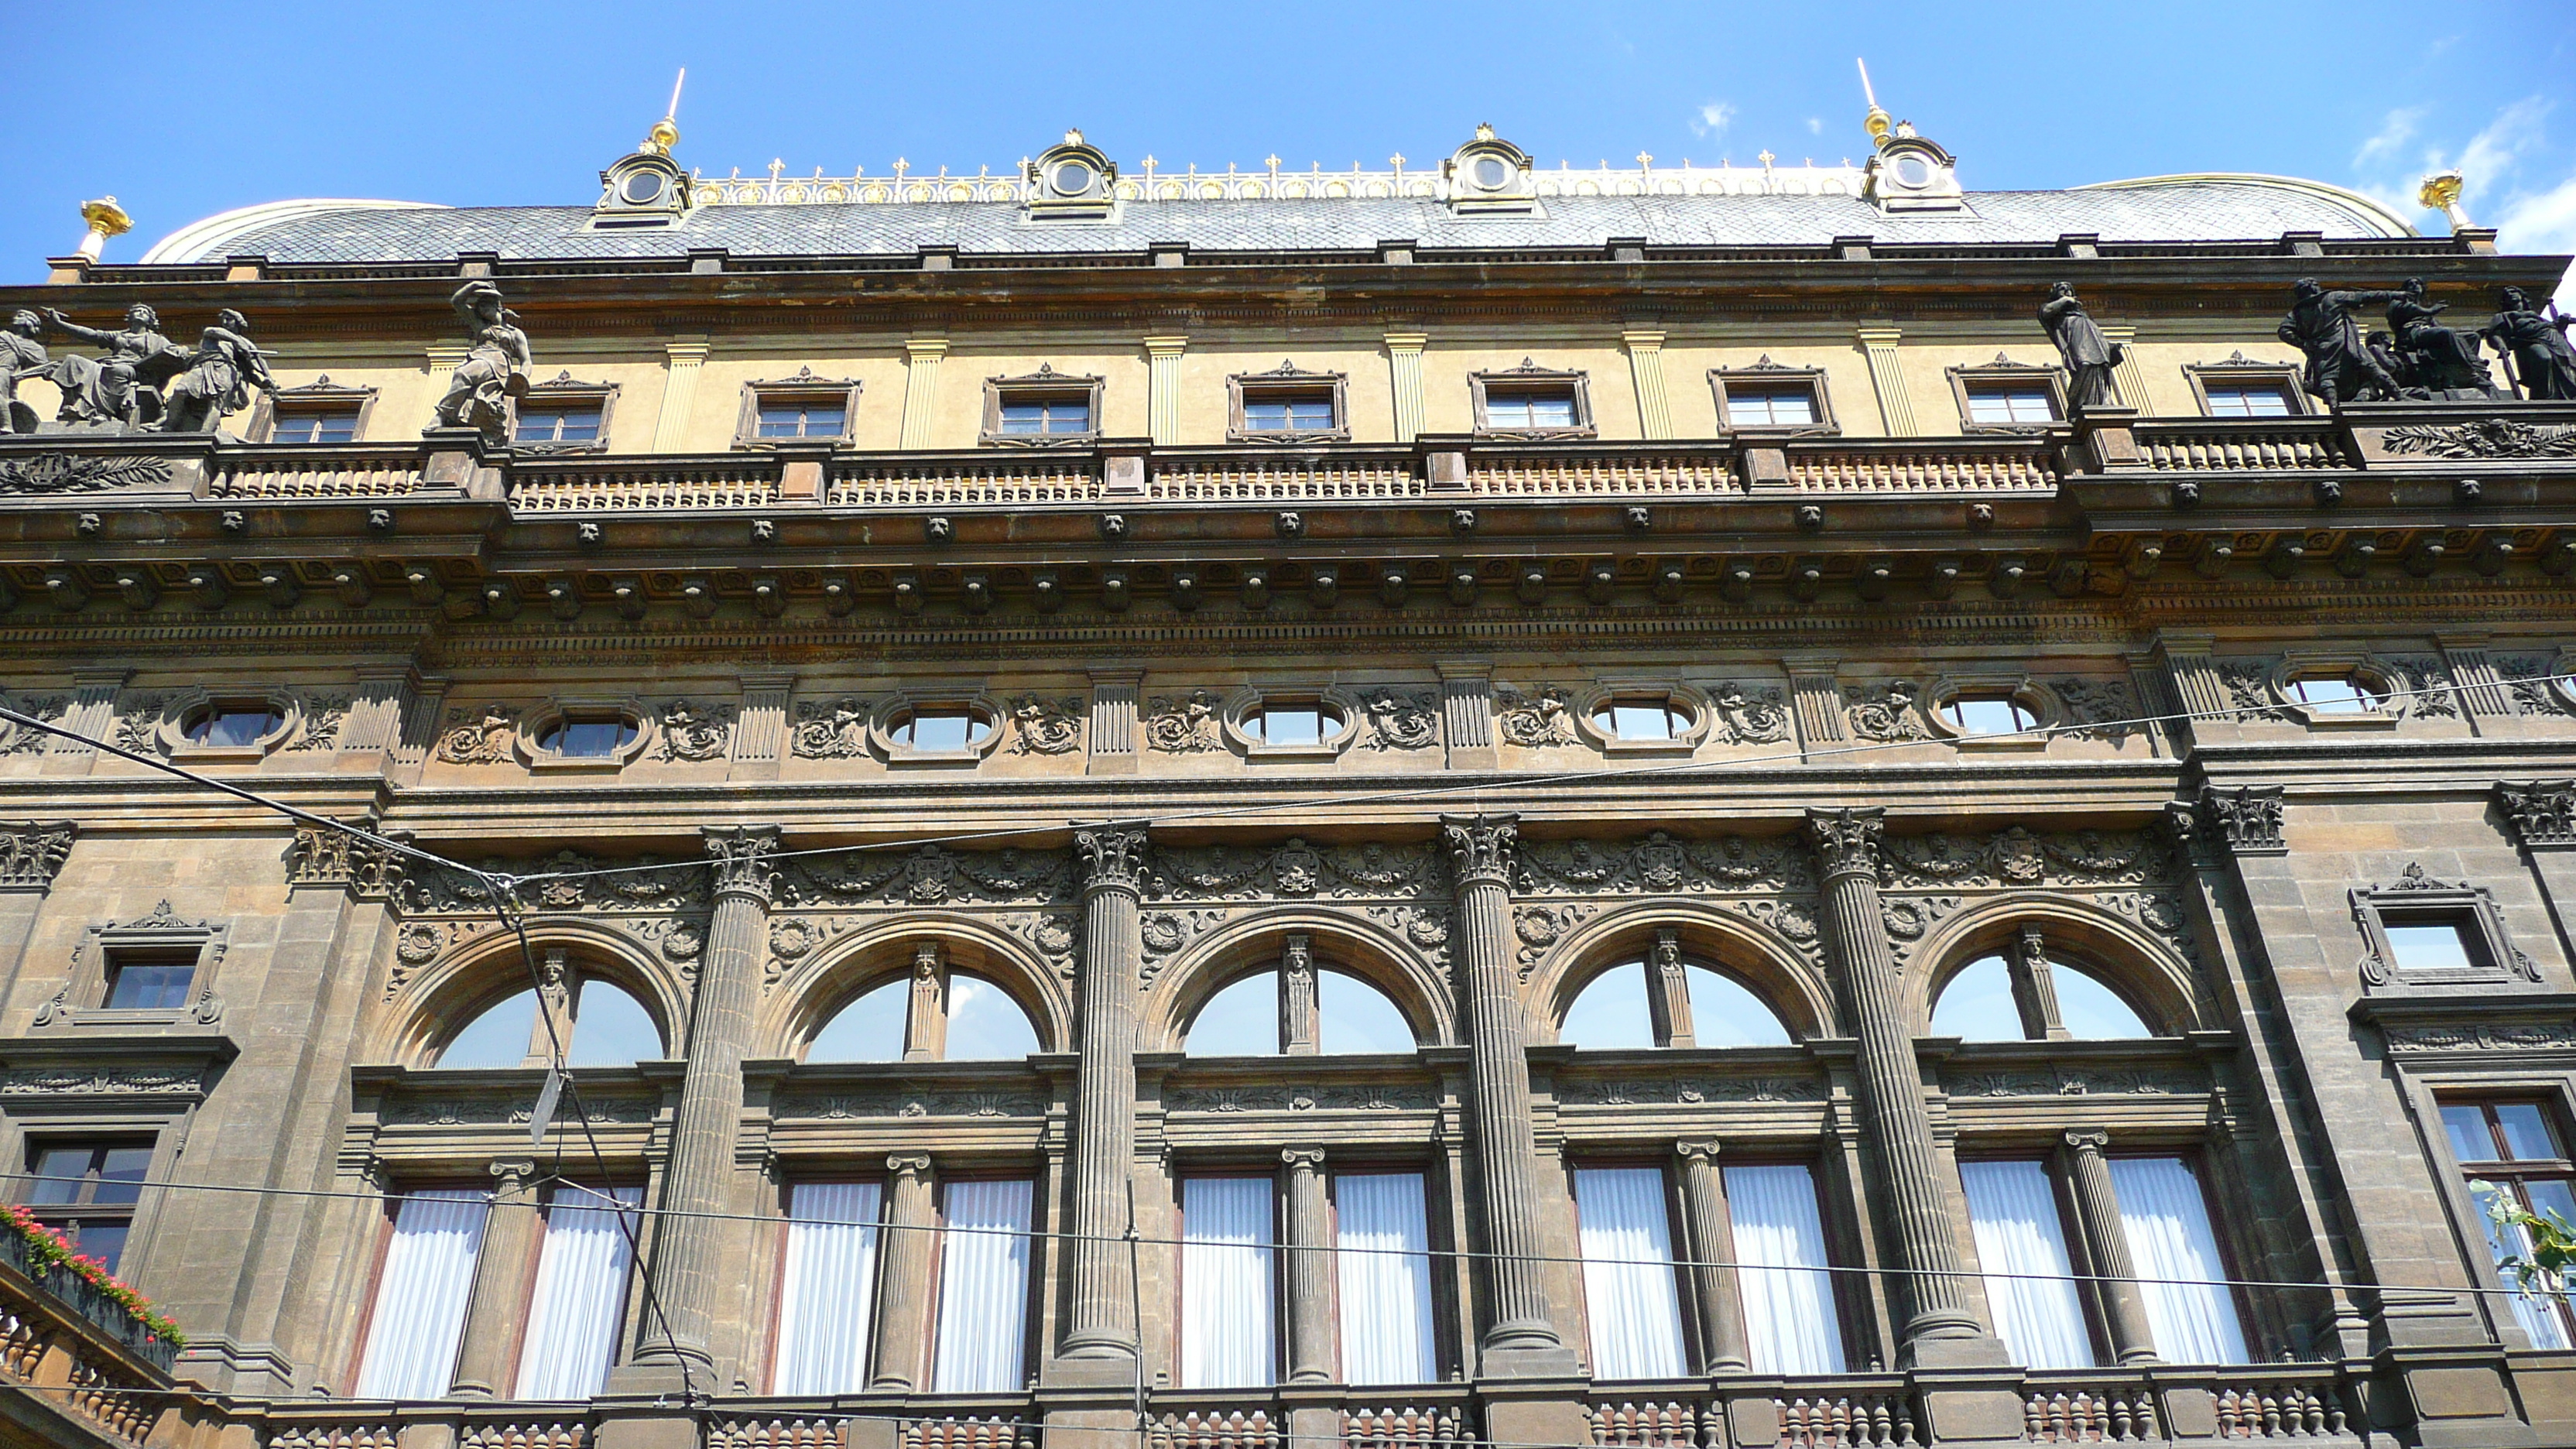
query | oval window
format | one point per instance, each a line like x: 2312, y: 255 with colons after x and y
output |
x: 587, y: 739
x: 1492, y: 172
x: 1072, y: 178
x: 1913, y: 172
x: 940, y: 728
x: 1641, y: 719
x: 2336, y: 694
x: 1292, y: 724
x: 640, y: 187
x: 1989, y: 714
x: 233, y: 726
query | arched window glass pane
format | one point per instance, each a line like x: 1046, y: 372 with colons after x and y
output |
x: 497, y: 1038
x: 2091, y: 1010
x: 984, y: 1023
x: 1357, y: 1017
x: 611, y: 1029
x: 1611, y: 1012
x: 1725, y: 1013
x: 1977, y: 1005
x: 1241, y: 1020
x: 869, y: 1029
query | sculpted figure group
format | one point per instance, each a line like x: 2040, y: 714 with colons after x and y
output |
x: 145, y: 381
x: 2418, y: 357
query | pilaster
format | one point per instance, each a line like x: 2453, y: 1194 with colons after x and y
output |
x: 1816, y: 700
x: 683, y: 360
x: 1310, y: 1267
x: 921, y: 359
x: 92, y: 716
x: 1467, y: 713
x: 1163, y: 388
x: 1887, y: 378
x: 2129, y: 377
x: 1110, y: 748
x: 1404, y: 373
x: 1646, y: 371
x: 760, y: 729
x: 1725, y: 1347
x: 31, y: 855
x: 2542, y: 819
x: 903, y: 1276
x: 2097, y: 1213
x: 2480, y: 692
x: 374, y: 726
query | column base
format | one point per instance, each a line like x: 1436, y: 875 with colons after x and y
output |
x: 624, y: 1426
x: 1529, y: 1361
x: 1524, y: 1414
x: 2458, y: 1398
x: 1965, y: 1351
x: 664, y: 1378
x: 1091, y: 1429
x: 1112, y: 1370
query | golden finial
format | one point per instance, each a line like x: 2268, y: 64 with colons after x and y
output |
x: 109, y: 219
x: 1876, y: 121
x: 666, y: 131
x: 1484, y: 130
x: 2441, y: 192
x: 1073, y: 137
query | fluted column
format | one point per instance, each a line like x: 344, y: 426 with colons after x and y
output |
x: 1310, y: 1268
x: 1724, y: 1346
x: 903, y: 1276
x: 1942, y: 1327
x: 2133, y: 1339
x: 1521, y: 1337
x: 1101, y: 1319
x: 699, y: 1177
x: 499, y: 1304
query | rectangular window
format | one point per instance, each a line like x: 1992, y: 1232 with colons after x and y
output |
x: 1226, y: 1276
x: 2165, y: 1219
x: 1383, y: 1240
x: 580, y: 1296
x: 983, y: 1288
x: 2012, y: 1210
x: 1290, y: 724
x: 315, y: 425
x: 87, y: 1191
x: 1283, y: 413
x: 1789, y: 1312
x: 2428, y: 946
x: 1641, y: 721
x: 1529, y: 407
x: 827, y: 1288
x: 1752, y: 406
x: 2512, y: 1148
x: 2248, y: 400
x: 421, y: 1295
x: 1036, y: 416
x: 1988, y: 714
x: 2334, y: 694
x: 573, y: 423
x: 801, y: 418
x: 149, y: 980
x: 1625, y: 1231
x: 2011, y: 402
x: 934, y: 729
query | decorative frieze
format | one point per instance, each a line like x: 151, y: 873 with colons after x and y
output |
x: 835, y: 729
x: 1301, y: 1097
x: 908, y: 1101
x: 2550, y: 1036
x: 1891, y: 713
x: 1540, y: 718
x: 693, y: 732
x: 1042, y: 726
x: 1749, y: 714
x: 409, y: 1111
x: 102, y: 1081
x: 1686, y: 1091
x: 2066, y: 1081
x: 2021, y: 857
x: 18, y: 739
x: 1185, y: 724
x: 1400, y: 719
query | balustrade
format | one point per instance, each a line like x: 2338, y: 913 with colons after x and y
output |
x: 1013, y: 480
x: 1572, y: 474
x: 344, y: 470
x: 2192, y: 445
x: 1964, y: 465
x: 625, y: 485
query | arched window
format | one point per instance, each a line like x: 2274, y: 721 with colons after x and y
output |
x: 1615, y: 1012
x: 608, y: 1026
x: 1977, y: 1004
x: 971, y: 1020
x: 1256, y: 1016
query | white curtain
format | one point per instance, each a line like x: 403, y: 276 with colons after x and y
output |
x: 1628, y: 1287
x: 2013, y: 1210
x: 1384, y: 1262
x: 2531, y: 1310
x: 827, y: 1288
x: 1226, y: 1238
x: 421, y: 1296
x: 580, y: 1294
x: 2166, y: 1221
x: 1780, y: 1239
x: 983, y: 1289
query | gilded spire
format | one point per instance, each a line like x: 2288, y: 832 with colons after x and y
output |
x: 1876, y: 121
x: 666, y: 131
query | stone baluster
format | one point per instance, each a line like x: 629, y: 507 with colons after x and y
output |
x: 903, y: 1277
x: 485, y: 1368
x: 1521, y: 1339
x: 1942, y: 1328
x: 697, y: 1183
x: 1310, y: 1268
x: 1724, y: 1347
x: 1100, y: 1343
x: 2097, y: 1207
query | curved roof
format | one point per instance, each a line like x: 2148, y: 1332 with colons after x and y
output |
x: 2157, y: 209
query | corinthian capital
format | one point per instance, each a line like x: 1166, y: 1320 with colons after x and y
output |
x: 742, y: 856
x: 2248, y: 818
x: 31, y: 854
x: 1480, y: 847
x: 1113, y: 858
x: 1847, y: 841
x: 323, y: 856
x: 2542, y: 813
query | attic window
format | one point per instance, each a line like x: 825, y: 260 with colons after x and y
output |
x: 1288, y: 406
x: 1530, y: 402
x: 803, y: 407
x: 564, y: 416
x: 1043, y: 409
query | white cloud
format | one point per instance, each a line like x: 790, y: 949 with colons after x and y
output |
x: 2494, y: 153
x: 1815, y: 125
x: 2543, y: 222
x: 2395, y: 131
x: 1713, y: 119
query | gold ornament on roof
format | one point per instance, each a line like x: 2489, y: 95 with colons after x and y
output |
x: 1876, y: 121
x: 106, y: 217
x: 2441, y: 192
x: 666, y: 131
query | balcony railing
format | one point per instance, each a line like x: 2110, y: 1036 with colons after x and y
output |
x: 341, y: 470
x: 2199, y: 445
x: 594, y: 484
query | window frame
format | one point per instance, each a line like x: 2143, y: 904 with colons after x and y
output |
x: 2241, y: 370
x: 318, y: 396
x: 387, y: 1225
x: 1289, y: 382
x: 2418, y: 898
x: 1676, y: 1238
x: 2509, y: 1172
x: 969, y: 699
x: 1042, y: 385
x: 790, y: 1178
x: 1967, y: 381
x: 82, y: 1001
x: 34, y: 1144
x: 630, y: 1291
x: 535, y: 724
x: 565, y: 391
x: 1767, y: 375
x: 1278, y: 1284
x: 1694, y: 717
x: 1253, y: 699
x: 1530, y: 376
x: 2083, y: 1273
x: 2195, y: 1159
x: 1034, y: 1269
x: 804, y: 388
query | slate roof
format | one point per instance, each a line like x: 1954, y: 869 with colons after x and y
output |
x: 2195, y: 210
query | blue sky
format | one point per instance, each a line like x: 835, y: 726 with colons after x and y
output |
x: 469, y: 103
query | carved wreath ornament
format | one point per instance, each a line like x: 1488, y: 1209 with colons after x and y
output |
x: 2485, y: 438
